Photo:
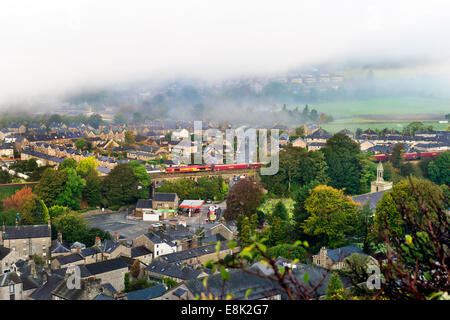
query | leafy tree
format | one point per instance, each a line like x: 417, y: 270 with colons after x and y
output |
x: 300, y: 131
x: 387, y: 171
x: 246, y: 229
x: 300, y: 212
x: 8, y: 217
x: 297, y: 167
x: 170, y: 283
x: 140, y: 171
x: 120, y: 186
x: 119, y: 118
x: 388, y: 218
x: 368, y: 173
x: 288, y: 251
x: 68, y: 163
x: 243, y: 199
x: 127, y: 282
x: 129, y: 138
x: 31, y: 165
x: 278, y: 231
x: 407, y: 169
x: 72, y: 225
x: 17, y: 200
x: 92, y: 191
x: 81, y: 144
x: 86, y: 165
x: 439, y: 169
x: 73, y: 187
x: 417, y: 262
x: 34, y: 211
x: 51, y: 185
x: 332, y: 215
x: 334, y: 285
x: 280, y: 211
x: 135, y: 269
x: 5, y: 177
x: 95, y: 120
x: 397, y: 156
x: 57, y: 211
x: 344, y: 167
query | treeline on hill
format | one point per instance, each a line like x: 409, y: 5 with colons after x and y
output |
x: 93, y: 120
x: 409, y: 130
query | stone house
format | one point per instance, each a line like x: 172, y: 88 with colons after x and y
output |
x: 165, y: 201
x: 158, y: 270
x: 111, y: 271
x: 334, y: 258
x: 299, y: 143
x: 7, y: 258
x: 27, y: 240
x: 11, y: 287
x: 156, y: 245
x: 195, y: 257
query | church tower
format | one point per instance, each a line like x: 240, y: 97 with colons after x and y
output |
x: 380, y: 184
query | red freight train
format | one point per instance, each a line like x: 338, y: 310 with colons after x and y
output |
x: 409, y: 156
x: 217, y: 167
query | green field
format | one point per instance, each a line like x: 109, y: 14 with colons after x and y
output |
x: 8, y: 191
x: 353, y: 124
x: 384, y: 113
x: 406, y: 106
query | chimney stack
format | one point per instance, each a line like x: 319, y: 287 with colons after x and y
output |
x: 48, y: 222
x: 33, y: 269
x: 60, y: 236
x: 17, y: 222
x: 116, y: 236
x: 98, y: 242
x: 4, y: 227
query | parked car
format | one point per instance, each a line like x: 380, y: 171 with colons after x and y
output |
x: 209, y: 201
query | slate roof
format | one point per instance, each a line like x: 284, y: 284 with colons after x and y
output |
x: 319, y: 134
x: 238, y: 284
x: 147, y: 293
x: 139, y: 251
x: 44, y: 292
x: 340, y: 254
x: 4, y: 252
x: 109, y: 246
x: 166, y: 197
x: 89, y: 251
x: 6, y: 278
x: 157, y: 239
x: 106, y: 266
x: 171, y: 270
x: 60, y: 248
x: 144, y: 204
x: 71, y: 258
x: 191, y: 253
x: 24, y: 232
x: 372, y: 198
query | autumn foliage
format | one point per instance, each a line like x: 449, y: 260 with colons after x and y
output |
x: 18, y: 199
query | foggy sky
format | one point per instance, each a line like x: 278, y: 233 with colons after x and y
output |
x: 53, y: 47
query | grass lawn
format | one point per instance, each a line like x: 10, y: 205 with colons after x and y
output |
x: 269, y: 205
x: 8, y: 191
